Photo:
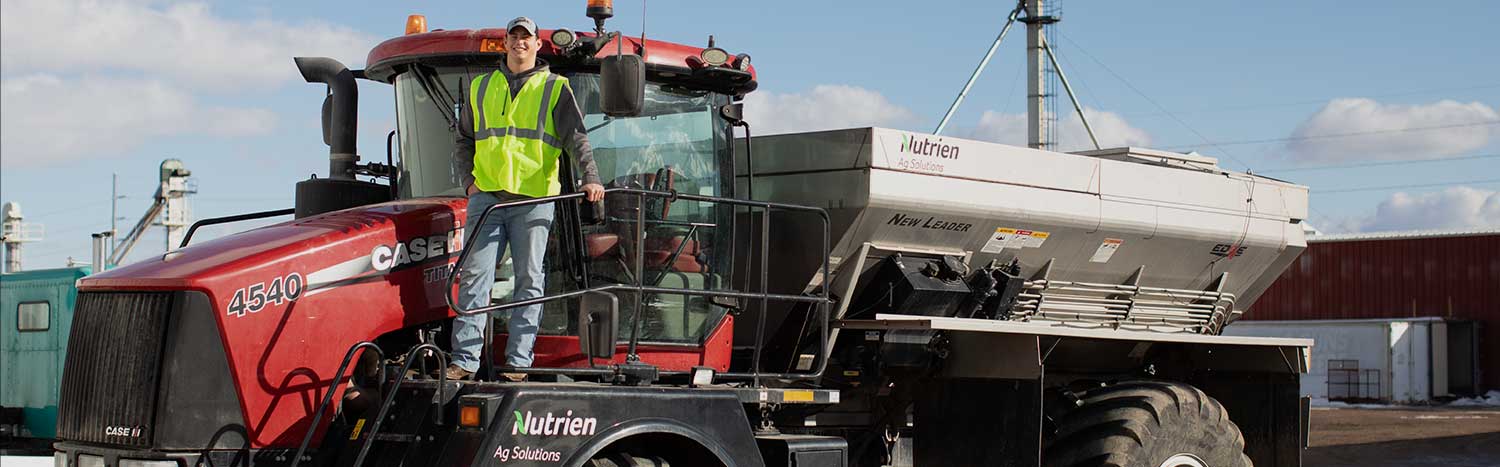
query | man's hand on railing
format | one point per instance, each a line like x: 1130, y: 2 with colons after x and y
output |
x: 594, y: 192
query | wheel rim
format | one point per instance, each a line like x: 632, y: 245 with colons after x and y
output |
x: 1183, y: 460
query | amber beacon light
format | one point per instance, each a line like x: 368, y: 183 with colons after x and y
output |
x: 601, y: 9
x: 416, y: 24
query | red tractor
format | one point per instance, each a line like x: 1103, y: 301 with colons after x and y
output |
x: 687, y: 322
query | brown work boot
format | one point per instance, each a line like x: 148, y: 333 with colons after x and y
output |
x: 454, y: 373
x: 514, y: 377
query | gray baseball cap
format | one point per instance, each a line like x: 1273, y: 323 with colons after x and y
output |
x: 522, y: 22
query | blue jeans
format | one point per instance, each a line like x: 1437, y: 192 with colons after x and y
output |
x: 524, y: 229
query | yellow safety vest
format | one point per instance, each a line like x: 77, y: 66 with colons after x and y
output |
x: 516, y: 148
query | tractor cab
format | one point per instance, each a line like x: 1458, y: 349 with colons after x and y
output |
x: 677, y: 140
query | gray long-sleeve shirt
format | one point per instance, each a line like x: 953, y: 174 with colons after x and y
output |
x: 566, y: 118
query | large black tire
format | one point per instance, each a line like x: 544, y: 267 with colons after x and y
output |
x: 622, y: 459
x: 1146, y: 424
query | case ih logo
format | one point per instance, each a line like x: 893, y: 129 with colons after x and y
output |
x: 927, y: 147
x: 126, y: 431
x: 566, y: 425
x: 412, y: 251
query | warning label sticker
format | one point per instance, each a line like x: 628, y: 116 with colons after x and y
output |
x: 998, y: 240
x: 1005, y: 237
x: 1036, y: 239
x: 1106, y: 250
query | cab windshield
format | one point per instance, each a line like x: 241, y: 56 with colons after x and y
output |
x: 678, y: 143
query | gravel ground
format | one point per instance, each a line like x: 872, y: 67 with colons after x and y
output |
x: 1404, y: 437
x: 1345, y: 437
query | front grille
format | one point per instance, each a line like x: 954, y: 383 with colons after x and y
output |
x: 114, y: 363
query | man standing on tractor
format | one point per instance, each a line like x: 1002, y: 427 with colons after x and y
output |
x: 515, y: 127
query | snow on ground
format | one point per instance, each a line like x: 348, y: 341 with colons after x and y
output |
x: 1327, y: 404
x: 1489, y: 399
x: 26, y: 461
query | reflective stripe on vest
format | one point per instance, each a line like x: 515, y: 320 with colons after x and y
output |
x: 516, y: 147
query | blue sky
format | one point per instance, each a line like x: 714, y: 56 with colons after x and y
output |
x: 1281, y: 87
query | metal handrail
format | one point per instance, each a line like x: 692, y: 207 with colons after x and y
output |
x: 334, y: 387
x: 822, y: 299
x: 390, y: 395
x: 235, y: 218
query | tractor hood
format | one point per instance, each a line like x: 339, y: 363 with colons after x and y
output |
x: 311, y: 245
x: 289, y: 299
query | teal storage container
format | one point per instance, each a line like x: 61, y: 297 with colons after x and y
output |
x: 36, y: 312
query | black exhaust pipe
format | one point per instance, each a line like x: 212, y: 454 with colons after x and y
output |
x: 340, y: 111
x: 340, y: 122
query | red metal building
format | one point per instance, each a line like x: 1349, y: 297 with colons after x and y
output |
x: 1449, y: 275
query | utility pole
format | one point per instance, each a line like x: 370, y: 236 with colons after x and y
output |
x: 114, y: 200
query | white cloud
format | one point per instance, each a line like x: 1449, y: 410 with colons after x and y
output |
x: 1374, y: 121
x: 1111, y: 129
x: 182, y: 41
x: 50, y: 120
x: 1455, y: 208
x: 825, y: 106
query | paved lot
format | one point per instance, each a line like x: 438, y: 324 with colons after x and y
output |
x: 1391, y: 437
x: 26, y: 461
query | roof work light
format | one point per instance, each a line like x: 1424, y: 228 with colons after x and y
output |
x: 713, y: 56
x: 562, y: 38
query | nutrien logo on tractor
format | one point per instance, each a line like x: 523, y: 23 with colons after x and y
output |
x: 566, y: 425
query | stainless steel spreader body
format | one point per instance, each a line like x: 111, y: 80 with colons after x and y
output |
x: 1110, y: 237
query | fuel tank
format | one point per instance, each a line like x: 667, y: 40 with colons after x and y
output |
x: 1106, y: 233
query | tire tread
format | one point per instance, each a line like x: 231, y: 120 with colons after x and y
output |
x: 1116, y: 425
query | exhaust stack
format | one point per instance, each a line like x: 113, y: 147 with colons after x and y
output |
x: 340, y: 112
x: 340, y: 120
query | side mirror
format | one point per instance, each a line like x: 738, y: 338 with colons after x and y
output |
x: 622, y: 85
x: 598, y: 324
x: 328, y: 120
